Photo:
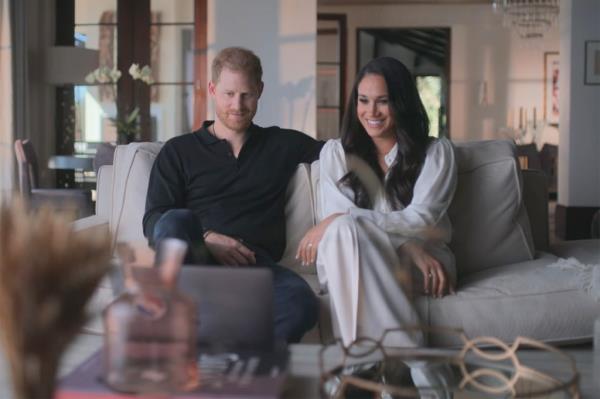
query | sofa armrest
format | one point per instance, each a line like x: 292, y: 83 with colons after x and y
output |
x: 535, y: 198
x: 104, y: 184
x: 91, y: 223
x: 299, y: 217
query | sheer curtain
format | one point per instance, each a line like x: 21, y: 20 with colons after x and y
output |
x: 6, y: 96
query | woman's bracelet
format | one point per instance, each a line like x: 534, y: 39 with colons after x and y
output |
x: 206, y: 233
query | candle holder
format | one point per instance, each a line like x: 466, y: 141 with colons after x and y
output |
x: 532, y: 132
x: 527, y: 133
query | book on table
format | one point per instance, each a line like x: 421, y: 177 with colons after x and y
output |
x: 221, y: 375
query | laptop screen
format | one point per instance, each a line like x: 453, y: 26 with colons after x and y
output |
x: 234, y: 304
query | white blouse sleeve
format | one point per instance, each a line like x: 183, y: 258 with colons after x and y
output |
x: 332, y: 167
x: 433, y: 192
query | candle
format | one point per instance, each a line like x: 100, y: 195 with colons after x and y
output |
x: 534, y: 118
x: 520, y: 117
x: 525, y: 118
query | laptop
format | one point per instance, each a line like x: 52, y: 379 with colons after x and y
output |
x: 237, y: 355
x: 234, y: 304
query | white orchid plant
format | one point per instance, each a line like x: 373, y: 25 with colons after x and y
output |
x: 128, y: 126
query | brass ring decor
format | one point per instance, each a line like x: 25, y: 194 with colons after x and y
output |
x: 485, y: 364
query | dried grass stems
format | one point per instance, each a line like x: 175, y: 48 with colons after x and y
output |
x: 48, y: 273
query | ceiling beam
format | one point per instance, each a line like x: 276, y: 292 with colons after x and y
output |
x: 422, y: 44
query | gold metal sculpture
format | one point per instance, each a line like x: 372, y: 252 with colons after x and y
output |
x: 486, y: 365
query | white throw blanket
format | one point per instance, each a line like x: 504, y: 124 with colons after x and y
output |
x: 585, y: 277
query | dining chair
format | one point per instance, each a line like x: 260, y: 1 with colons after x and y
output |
x: 76, y: 199
x: 549, y: 161
x: 530, y: 152
x: 105, y: 152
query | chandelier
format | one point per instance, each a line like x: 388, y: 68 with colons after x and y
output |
x: 530, y: 18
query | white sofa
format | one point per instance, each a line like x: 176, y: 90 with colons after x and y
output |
x: 500, y: 240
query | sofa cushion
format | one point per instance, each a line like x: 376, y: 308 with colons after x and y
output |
x: 299, y: 217
x: 103, y: 191
x: 490, y: 224
x: 323, y: 331
x: 527, y: 298
x: 314, y: 179
x: 131, y: 173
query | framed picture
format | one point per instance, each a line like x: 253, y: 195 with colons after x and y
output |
x: 592, y: 62
x: 551, y: 76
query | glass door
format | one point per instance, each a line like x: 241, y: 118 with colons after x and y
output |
x: 331, y: 74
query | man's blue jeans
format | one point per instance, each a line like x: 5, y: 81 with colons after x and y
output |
x: 295, y: 306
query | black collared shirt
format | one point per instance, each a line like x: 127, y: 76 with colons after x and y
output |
x: 241, y: 197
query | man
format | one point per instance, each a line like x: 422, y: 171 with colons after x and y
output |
x: 222, y: 189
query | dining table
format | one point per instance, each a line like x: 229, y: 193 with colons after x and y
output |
x: 71, y: 162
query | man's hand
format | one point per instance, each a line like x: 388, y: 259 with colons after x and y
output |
x: 228, y: 251
x: 435, y: 280
x: 307, y: 249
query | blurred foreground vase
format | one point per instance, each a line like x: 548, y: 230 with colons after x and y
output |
x: 150, y: 330
x: 49, y: 272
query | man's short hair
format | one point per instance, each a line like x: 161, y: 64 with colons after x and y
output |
x: 237, y: 59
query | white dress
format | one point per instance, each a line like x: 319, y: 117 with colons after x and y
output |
x: 357, y: 257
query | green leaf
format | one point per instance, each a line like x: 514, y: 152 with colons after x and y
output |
x: 133, y: 115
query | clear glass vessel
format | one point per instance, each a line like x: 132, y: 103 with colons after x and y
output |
x: 150, y: 335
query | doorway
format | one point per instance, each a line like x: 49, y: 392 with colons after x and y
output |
x: 426, y: 53
x: 331, y: 74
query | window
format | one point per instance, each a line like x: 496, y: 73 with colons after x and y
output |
x: 331, y: 65
x: 6, y: 135
x: 430, y: 91
x: 167, y: 106
x: 172, y: 60
x: 96, y: 28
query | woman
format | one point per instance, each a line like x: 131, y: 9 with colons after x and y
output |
x: 367, y: 229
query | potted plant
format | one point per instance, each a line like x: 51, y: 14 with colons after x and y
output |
x: 128, y: 124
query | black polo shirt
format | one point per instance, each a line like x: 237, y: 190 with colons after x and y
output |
x: 240, y: 197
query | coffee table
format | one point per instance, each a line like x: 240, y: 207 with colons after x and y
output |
x: 303, y: 381
x: 304, y: 372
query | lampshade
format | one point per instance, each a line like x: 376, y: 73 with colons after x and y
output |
x: 69, y: 65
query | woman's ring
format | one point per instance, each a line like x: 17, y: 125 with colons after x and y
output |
x: 430, y: 275
x: 309, y: 244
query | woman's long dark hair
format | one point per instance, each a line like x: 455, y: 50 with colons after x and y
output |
x: 411, y: 130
